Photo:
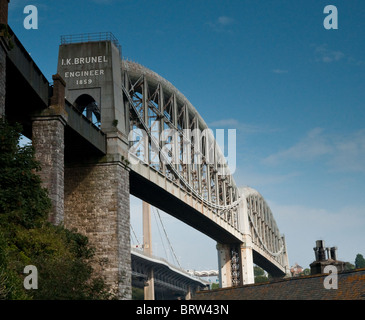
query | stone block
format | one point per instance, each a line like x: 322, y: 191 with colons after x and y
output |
x: 106, y: 222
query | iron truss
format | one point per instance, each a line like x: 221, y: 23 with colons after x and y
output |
x: 195, y: 164
x: 264, y: 230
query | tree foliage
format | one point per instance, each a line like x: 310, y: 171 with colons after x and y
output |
x: 359, y: 261
x: 260, y: 275
x: 23, y: 201
x: 63, y: 258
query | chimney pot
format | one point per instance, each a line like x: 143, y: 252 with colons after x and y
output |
x: 334, y: 253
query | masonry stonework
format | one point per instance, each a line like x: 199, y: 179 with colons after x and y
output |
x: 4, y: 11
x: 3, y: 22
x: 97, y: 205
x: 48, y: 141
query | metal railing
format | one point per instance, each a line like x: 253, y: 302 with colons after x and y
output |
x: 90, y: 37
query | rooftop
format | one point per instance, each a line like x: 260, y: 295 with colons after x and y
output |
x: 351, y: 286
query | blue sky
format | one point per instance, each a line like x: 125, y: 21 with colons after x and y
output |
x: 293, y: 90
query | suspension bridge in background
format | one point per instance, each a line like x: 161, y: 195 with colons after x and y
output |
x: 170, y: 279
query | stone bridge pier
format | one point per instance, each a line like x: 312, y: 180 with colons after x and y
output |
x: 97, y: 205
x: 89, y: 192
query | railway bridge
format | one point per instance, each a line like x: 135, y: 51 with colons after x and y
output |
x: 107, y: 128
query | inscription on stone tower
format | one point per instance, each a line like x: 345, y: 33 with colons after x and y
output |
x: 93, y: 76
x: 85, y: 65
x: 92, y: 67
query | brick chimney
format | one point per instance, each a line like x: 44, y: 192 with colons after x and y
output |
x: 4, y: 11
x: 333, y: 253
x: 317, y: 266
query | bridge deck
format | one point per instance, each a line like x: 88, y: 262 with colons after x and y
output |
x: 169, y: 280
x: 161, y: 197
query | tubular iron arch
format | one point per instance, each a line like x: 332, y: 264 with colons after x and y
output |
x: 263, y: 228
x: 189, y: 157
x: 178, y: 145
x: 192, y: 159
x: 175, y: 142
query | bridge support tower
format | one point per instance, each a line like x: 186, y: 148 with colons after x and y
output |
x: 90, y: 191
x: 235, y: 265
x: 48, y: 131
x: 235, y: 261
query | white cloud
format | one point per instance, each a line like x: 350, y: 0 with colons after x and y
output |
x: 303, y: 225
x: 344, y: 153
x: 279, y: 71
x: 323, y: 54
x: 259, y: 179
x: 310, y: 147
x: 225, y: 123
x: 225, y: 21
x: 222, y: 24
x: 356, y: 62
x: 349, y: 153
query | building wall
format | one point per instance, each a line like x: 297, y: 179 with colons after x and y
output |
x: 97, y: 205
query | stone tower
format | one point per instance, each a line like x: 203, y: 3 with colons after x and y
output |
x: 96, y: 188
